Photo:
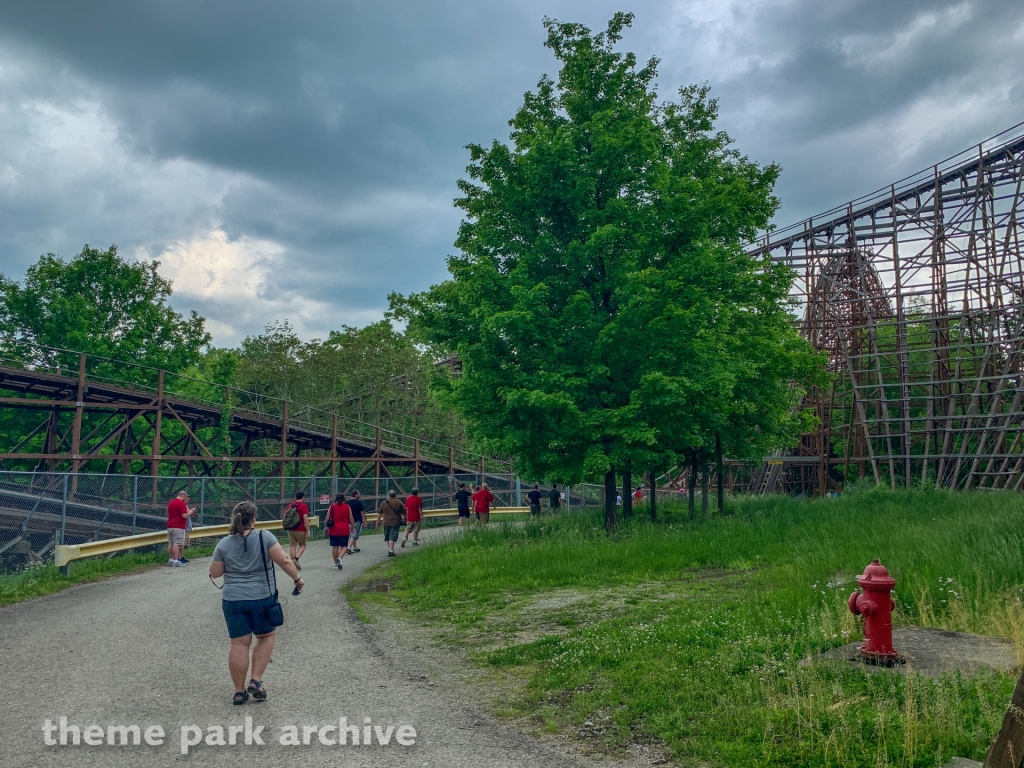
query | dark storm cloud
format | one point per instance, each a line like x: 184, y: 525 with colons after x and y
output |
x: 298, y: 159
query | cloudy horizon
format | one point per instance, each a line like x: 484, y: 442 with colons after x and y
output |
x: 299, y: 162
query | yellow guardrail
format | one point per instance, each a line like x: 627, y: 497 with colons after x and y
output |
x: 494, y: 511
x: 67, y: 554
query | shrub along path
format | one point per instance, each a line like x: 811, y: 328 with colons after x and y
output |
x: 690, y: 634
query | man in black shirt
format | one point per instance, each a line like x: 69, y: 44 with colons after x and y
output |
x: 356, y: 505
x: 462, y: 497
x: 554, y: 498
x: 534, y: 498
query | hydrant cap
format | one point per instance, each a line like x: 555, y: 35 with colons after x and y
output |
x: 876, y: 575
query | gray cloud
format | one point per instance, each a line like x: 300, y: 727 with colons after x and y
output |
x: 298, y: 160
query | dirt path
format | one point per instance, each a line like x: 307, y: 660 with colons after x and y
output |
x: 151, y: 649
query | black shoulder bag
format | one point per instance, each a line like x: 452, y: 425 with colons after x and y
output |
x: 275, y: 614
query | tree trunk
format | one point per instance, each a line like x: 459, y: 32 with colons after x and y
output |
x: 627, y: 490
x: 721, y: 474
x: 691, y: 485
x: 704, y: 482
x: 610, y: 489
x: 653, y: 498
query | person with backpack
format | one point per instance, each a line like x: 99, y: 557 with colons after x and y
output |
x: 339, y: 526
x: 413, y: 517
x: 294, y: 521
x: 482, y: 504
x: 359, y: 517
x: 246, y: 559
x: 391, y: 514
x: 534, y: 498
x: 462, y: 498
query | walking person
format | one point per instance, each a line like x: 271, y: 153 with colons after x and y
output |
x: 178, y: 513
x: 358, y: 517
x: 462, y: 498
x: 534, y: 498
x: 554, y: 498
x: 413, y: 517
x: 246, y: 559
x: 638, y: 494
x: 339, y: 527
x: 390, y: 515
x: 294, y: 521
x: 482, y: 504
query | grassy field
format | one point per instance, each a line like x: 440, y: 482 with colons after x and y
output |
x: 46, y: 579
x: 690, y: 634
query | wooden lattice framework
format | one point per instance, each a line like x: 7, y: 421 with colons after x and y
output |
x: 915, y: 293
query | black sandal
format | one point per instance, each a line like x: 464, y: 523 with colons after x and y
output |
x: 259, y: 693
x: 240, y: 697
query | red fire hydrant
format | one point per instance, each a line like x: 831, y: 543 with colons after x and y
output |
x: 875, y: 604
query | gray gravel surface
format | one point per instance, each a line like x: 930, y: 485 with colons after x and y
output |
x: 151, y: 649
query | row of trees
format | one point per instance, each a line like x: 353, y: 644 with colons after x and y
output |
x: 605, y: 312
x: 117, y: 311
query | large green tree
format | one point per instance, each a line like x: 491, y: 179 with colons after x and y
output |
x: 602, y: 305
x: 101, y: 304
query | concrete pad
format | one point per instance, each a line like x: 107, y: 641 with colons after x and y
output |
x: 935, y: 651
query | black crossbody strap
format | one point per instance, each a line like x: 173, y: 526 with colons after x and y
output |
x: 266, y: 572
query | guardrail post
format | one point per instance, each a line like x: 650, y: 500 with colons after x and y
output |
x: 135, y: 503
x: 202, y: 499
x: 64, y: 509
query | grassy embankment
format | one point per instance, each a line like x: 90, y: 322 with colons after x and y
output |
x: 690, y: 634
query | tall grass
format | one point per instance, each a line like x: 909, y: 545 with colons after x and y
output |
x: 712, y: 667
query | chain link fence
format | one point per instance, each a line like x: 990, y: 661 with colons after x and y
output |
x: 39, y: 510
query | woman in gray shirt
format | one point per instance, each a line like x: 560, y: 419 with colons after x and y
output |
x: 245, y: 559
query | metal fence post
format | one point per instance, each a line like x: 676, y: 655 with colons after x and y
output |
x: 312, y: 498
x: 519, y: 492
x: 202, y: 499
x: 64, y: 509
x: 135, y: 503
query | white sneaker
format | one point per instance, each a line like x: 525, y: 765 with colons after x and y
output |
x: 175, y: 564
x: 337, y: 566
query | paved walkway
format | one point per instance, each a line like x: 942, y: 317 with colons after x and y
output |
x: 151, y: 649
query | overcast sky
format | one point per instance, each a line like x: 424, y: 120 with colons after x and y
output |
x: 298, y: 160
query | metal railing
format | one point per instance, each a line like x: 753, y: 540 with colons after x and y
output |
x: 40, y: 510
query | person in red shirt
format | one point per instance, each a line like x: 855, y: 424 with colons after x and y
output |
x: 178, y: 513
x: 339, y: 527
x: 413, y: 517
x: 297, y: 537
x: 482, y: 504
x: 638, y: 494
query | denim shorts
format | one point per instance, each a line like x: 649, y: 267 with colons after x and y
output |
x: 246, y: 617
x: 391, y: 533
x: 340, y: 540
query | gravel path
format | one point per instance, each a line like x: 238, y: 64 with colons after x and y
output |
x: 151, y: 649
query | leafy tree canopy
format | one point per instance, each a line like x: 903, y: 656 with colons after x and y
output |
x: 602, y: 304
x: 100, y: 304
x: 374, y: 374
